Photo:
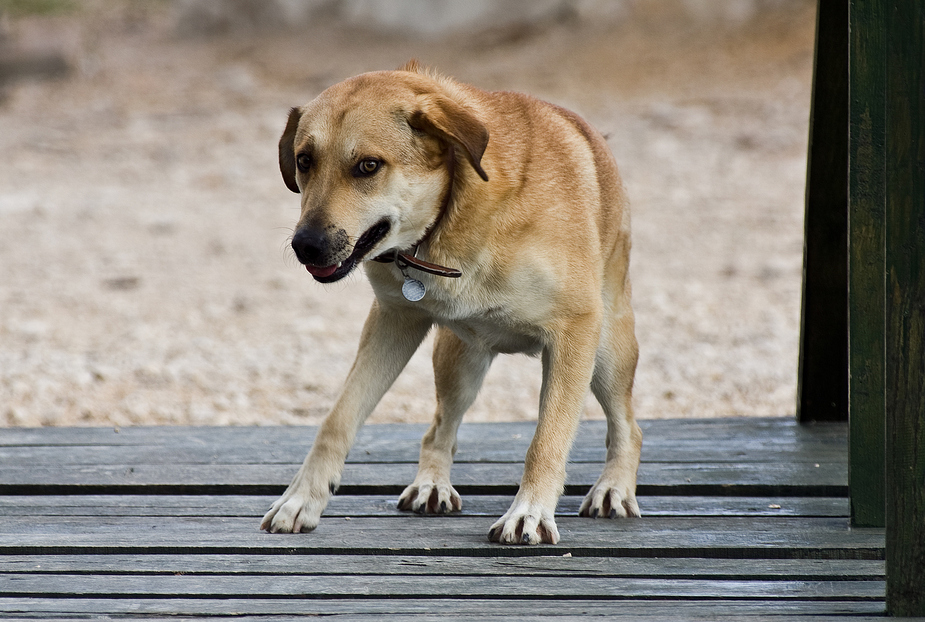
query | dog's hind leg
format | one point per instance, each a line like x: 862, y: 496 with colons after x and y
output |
x: 614, y: 493
x: 389, y: 339
x: 459, y: 369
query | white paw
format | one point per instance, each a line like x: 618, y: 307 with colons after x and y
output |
x: 610, y: 501
x: 429, y: 497
x: 525, y: 523
x: 294, y: 513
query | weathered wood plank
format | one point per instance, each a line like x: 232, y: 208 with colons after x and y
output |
x: 405, y: 451
x: 385, y: 505
x: 433, y: 586
x: 824, y: 479
x: 772, y: 442
x: 359, y: 565
x: 513, y: 609
x: 771, y: 429
x: 460, y: 535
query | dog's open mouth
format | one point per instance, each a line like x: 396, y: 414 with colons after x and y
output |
x: 330, y: 274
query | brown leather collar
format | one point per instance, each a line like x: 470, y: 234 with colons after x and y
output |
x: 406, y: 260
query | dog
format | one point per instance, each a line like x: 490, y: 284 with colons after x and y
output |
x: 503, y: 221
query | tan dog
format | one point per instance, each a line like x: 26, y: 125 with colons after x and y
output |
x: 507, y: 214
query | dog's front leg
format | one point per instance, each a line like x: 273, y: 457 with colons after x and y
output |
x: 568, y: 363
x: 459, y: 369
x: 389, y: 339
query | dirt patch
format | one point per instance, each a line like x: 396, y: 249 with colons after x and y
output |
x: 146, y: 277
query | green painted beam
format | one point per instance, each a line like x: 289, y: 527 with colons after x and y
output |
x: 866, y: 179
x: 905, y: 307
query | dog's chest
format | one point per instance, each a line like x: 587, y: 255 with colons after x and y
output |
x: 497, y: 338
x: 500, y: 323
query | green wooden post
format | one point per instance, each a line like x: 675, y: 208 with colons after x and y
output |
x: 822, y: 383
x: 866, y: 178
x: 905, y: 307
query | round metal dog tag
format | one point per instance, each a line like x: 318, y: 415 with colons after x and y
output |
x: 413, y: 289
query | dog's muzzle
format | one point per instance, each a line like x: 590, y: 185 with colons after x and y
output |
x: 317, y: 250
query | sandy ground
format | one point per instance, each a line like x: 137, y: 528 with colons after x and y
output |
x: 146, y: 276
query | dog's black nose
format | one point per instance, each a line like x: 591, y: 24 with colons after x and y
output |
x: 311, y: 246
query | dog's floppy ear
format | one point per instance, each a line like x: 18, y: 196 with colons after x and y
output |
x: 442, y: 117
x: 287, y: 150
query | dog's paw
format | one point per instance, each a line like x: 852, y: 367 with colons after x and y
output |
x: 610, y: 501
x: 525, y: 523
x: 293, y: 513
x: 429, y: 497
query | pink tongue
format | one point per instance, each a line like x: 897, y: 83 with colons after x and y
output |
x: 321, y: 272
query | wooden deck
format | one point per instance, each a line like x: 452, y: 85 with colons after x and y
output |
x: 743, y: 519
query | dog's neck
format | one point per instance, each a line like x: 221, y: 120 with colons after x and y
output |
x: 406, y: 260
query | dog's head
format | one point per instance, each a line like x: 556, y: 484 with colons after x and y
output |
x: 367, y: 156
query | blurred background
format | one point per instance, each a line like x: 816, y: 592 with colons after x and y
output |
x: 145, y: 274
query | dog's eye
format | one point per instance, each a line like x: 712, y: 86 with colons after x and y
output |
x: 304, y: 162
x: 367, y: 167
